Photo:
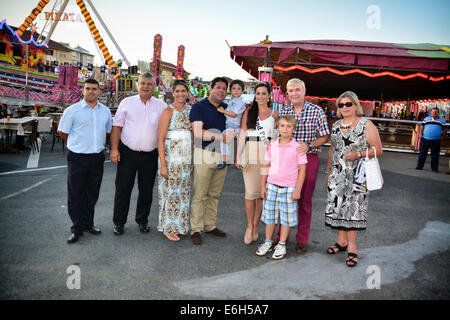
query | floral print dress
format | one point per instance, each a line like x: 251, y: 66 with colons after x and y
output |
x: 174, y: 193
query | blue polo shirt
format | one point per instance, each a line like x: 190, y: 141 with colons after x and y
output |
x: 432, y: 128
x: 86, y: 127
x: 207, y: 113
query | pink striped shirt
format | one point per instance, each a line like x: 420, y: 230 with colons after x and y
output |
x: 139, y: 122
x: 284, y: 160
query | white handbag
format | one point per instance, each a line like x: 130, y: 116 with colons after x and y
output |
x: 374, y: 178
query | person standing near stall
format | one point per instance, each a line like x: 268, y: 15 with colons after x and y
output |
x: 431, y: 133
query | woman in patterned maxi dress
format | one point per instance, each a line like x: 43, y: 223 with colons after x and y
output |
x: 346, y: 209
x: 175, y: 165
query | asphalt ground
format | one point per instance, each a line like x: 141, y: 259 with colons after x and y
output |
x: 404, y: 253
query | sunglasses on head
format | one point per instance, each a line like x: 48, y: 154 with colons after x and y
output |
x: 347, y: 104
x: 179, y: 81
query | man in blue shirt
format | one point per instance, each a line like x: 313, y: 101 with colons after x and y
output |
x: 207, y: 125
x: 431, y: 133
x: 84, y: 125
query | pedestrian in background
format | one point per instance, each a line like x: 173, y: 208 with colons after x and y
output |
x: 431, y: 133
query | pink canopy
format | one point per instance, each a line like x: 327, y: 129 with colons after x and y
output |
x: 425, y: 56
x: 373, y: 68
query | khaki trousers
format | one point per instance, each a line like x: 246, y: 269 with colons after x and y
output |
x: 208, y: 184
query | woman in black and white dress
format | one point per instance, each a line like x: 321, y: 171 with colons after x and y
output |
x: 346, y: 209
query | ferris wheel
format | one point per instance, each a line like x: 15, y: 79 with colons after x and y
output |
x: 87, y: 16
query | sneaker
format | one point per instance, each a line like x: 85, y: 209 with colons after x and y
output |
x: 280, y: 252
x: 263, y: 249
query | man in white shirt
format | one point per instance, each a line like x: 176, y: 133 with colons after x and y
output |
x: 84, y: 126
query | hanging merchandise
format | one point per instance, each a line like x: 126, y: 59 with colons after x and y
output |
x: 39, y: 108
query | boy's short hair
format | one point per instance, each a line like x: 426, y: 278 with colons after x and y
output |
x: 288, y: 118
x: 238, y: 82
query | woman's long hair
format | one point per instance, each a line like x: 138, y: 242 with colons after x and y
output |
x: 252, y: 115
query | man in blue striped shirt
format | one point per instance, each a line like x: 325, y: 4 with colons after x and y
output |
x: 431, y: 133
x: 84, y: 125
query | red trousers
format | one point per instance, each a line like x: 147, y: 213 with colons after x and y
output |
x: 305, y: 202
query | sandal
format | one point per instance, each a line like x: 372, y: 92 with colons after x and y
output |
x: 351, y: 262
x: 171, y: 236
x: 331, y: 250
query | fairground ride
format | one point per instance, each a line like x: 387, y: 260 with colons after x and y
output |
x: 92, y: 27
x: 64, y: 88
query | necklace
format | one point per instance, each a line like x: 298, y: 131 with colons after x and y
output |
x: 345, y: 126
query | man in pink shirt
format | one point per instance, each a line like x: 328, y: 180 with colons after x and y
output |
x: 282, y: 178
x: 134, y: 141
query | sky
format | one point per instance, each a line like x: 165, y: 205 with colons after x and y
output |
x: 204, y: 26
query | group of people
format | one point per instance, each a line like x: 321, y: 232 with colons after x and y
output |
x: 277, y: 152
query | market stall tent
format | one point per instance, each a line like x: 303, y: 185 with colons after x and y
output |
x: 374, y: 70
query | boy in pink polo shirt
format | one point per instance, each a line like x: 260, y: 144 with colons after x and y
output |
x: 282, y: 178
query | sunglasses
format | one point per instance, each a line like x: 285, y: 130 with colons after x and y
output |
x: 347, y: 104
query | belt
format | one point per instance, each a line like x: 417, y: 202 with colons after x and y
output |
x: 255, y: 138
x: 87, y: 154
x: 278, y: 185
x: 128, y: 149
x: 178, y: 134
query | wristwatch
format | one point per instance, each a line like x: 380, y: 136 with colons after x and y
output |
x: 310, y: 146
